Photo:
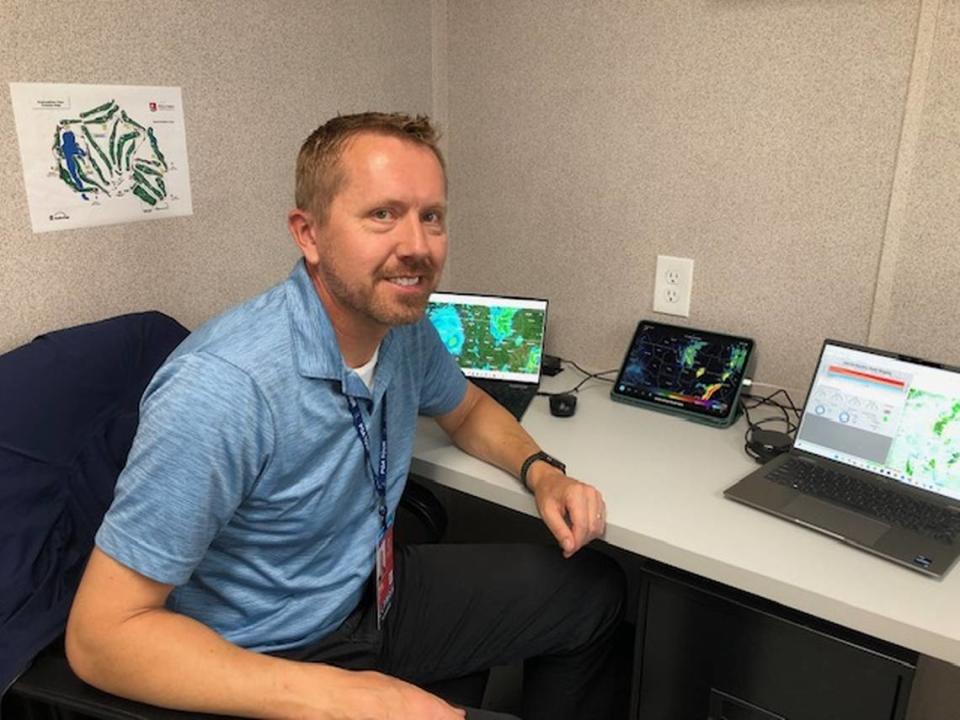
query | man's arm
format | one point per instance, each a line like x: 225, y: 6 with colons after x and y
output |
x: 122, y: 639
x: 573, y: 511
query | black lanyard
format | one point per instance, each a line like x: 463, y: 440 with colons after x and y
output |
x: 380, y: 474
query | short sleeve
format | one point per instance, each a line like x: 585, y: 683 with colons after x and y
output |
x: 206, y: 434
x: 444, y: 385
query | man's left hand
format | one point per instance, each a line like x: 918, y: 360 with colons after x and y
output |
x: 574, y: 511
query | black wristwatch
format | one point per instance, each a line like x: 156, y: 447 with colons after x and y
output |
x: 541, y: 455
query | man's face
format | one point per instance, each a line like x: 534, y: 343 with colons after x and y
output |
x: 380, y: 252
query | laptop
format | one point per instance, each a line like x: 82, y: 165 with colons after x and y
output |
x: 496, y: 340
x: 876, y: 459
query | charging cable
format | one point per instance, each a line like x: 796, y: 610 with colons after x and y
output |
x: 761, y: 442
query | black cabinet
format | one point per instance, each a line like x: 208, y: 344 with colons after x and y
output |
x: 709, y: 652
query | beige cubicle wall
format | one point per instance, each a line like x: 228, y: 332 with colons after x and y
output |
x: 257, y: 78
x: 797, y: 150
x: 923, y: 286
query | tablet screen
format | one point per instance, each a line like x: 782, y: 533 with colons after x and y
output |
x: 687, y: 371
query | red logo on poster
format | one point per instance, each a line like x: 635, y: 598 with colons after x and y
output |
x: 153, y: 107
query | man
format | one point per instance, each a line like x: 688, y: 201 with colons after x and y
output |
x: 233, y: 572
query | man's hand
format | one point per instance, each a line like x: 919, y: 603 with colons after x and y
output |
x: 574, y: 511
x: 391, y: 699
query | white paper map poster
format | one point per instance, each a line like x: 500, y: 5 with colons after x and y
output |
x: 101, y: 154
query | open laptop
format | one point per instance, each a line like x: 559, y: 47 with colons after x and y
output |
x: 876, y: 460
x: 497, y: 341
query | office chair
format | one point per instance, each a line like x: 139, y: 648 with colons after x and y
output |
x: 67, y: 421
x: 69, y: 413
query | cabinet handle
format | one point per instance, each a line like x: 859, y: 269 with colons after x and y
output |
x: 724, y: 706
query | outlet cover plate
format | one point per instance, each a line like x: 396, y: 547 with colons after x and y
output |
x: 673, y: 286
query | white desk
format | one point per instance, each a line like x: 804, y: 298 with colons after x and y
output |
x: 663, y: 480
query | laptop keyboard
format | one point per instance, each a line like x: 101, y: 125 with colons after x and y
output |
x: 884, y: 504
x: 515, y: 398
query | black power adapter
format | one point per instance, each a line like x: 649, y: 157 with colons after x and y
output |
x: 550, y: 365
x: 764, y: 445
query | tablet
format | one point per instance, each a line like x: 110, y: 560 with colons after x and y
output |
x: 679, y: 370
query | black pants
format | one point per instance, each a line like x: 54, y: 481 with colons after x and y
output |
x: 459, y: 609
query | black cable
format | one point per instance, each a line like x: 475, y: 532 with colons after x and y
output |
x: 587, y: 377
x: 758, y: 446
x: 747, y: 401
x: 768, y: 400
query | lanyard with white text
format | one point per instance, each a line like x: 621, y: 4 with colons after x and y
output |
x: 380, y: 475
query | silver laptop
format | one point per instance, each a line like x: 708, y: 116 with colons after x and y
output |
x: 876, y: 460
x: 497, y: 341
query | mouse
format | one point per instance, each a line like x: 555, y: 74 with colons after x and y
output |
x: 563, y: 405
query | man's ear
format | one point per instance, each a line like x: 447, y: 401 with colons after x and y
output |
x: 303, y: 230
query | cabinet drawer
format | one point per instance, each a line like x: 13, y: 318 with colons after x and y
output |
x: 708, y: 652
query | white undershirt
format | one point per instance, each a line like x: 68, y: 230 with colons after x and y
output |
x: 366, y: 371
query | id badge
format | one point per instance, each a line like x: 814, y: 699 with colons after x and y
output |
x: 384, y: 573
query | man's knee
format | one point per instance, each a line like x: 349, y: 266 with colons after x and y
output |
x: 587, y: 591
x: 604, y: 585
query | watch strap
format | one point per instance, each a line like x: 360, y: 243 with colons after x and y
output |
x: 539, y: 455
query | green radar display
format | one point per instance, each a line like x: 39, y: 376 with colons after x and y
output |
x: 500, y: 338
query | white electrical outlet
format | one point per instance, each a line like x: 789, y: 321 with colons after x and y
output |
x: 674, y: 282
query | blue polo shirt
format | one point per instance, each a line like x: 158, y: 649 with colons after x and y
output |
x: 247, y: 487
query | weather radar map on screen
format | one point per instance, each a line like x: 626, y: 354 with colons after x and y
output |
x: 496, y: 338
x: 689, y: 370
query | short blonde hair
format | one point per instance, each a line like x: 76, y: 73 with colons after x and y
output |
x: 319, y: 174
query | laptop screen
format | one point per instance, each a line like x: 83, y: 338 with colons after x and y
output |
x: 892, y: 415
x: 498, y: 338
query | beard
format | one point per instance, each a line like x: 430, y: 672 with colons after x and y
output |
x: 375, y: 301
